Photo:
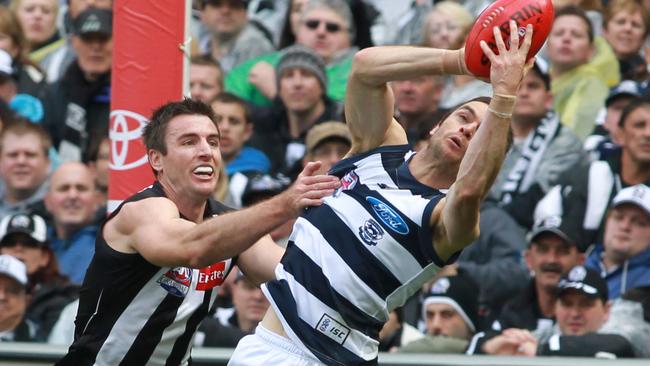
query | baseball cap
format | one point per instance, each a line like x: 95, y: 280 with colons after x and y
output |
x: 550, y: 224
x: 626, y: 88
x: 5, y: 63
x: 32, y: 225
x: 93, y: 20
x: 327, y: 130
x: 584, y: 280
x: 263, y: 186
x: 461, y: 292
x: 637, y: 195
x: 12, y: 267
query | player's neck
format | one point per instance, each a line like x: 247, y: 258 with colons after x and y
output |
x: 190, y: 207
x: 434, y: 173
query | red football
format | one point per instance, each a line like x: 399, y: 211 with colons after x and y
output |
x: 539, y: 13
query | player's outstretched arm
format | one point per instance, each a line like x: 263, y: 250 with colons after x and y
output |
x: 153, y: 227
x: 369, y: 102
x: 487, y: 148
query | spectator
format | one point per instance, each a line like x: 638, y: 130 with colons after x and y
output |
x: 24, y: 237
x: 24, y: 105
x: 233, y: 39
x: 291, y: 23
x: 626, y: 26
x: 77, y: 106
x: 493, y: 260
x: 396, y: 332
x: 416, y: 100
x: 551, y: 253
x: 583, y: 70
x: 24, y: 166
x: 605, y: 138
x: 543, y: 148
x: 206, y: 78
x: 457, y: 22
x: 14, y: 326
x: 328, y: 143
x: 262, y: 187
x: 450, y: 312
x: 624, y: 257
x: 72, y: 202
x: 408, y: 30
x: 56, y: 62
x: 626, y: 317
x: 326, y: 27
x: 581, y: 310
x: 594, y: 184
x: 280, y: 130
x: 29, y: 77
x: 250, y: 305
x: 235, y: 129
x: 37, y: 19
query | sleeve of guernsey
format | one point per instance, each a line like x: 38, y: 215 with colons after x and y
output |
x: 426, y: 236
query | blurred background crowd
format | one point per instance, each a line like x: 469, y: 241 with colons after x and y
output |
x: 562, y: 265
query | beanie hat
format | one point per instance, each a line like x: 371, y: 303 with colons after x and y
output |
x: 298, y: 56
x: 460, y: 292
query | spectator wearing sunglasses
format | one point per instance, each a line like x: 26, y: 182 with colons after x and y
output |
x: 232, y: 38
x: 326, y: 27
x: 23, y: 236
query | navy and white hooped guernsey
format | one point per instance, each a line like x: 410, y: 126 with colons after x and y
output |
x: 357, y: 257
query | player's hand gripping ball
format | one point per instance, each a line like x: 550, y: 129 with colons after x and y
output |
x: 539, y: 13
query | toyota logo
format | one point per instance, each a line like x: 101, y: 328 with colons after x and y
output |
x: 126, y: 126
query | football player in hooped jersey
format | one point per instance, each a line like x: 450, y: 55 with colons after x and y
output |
x: 389, y: 228
x: 160, y: 255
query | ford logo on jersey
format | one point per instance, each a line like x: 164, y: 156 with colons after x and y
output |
x: 388, y: 216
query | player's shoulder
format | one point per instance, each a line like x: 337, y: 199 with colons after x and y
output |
x: 147, y: 210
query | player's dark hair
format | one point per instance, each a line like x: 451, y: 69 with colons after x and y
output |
x: 154, y: 132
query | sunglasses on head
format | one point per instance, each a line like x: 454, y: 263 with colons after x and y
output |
x: 330, y: 27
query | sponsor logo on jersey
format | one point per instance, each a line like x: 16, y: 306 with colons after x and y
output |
x: 371, y: 232
x: 348, y: 182
x: 177, y: 281
x: 333, y: 329
x: 211, y: 276
x: 388, y: 216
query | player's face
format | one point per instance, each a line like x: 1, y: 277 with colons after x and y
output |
x: 324, y: 31
x: 444, y: 320
x: 533, y: 100
x: 635, y: 135
x: 579, y: 314
x: 450, y: 139
x: 204, y: 82
x: 249, y: 301
x: 234, y: 128
x: 549, y: 257
x: 625, y: 32
x: 568, y: 42
x: 627, y: 232
x: 191, y: 165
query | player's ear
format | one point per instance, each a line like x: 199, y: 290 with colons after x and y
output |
x: 155, y: 159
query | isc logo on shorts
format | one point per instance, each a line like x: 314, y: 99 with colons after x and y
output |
x: 333, y: 329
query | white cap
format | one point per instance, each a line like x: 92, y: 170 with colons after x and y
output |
x: 5, y: 62
x: 638, y: 195
x: 14, y: 268
x: 32, y: 225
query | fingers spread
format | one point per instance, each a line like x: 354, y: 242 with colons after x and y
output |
x: 514, y: 36
x: 499, y: 40
x: 487, y: 51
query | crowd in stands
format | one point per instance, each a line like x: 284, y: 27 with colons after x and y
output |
x: 562, y: 264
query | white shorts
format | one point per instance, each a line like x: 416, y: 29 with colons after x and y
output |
x: 267, y: 348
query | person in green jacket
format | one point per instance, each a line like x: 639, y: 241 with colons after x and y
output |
x: 327, y: 27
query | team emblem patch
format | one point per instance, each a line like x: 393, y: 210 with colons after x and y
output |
x: 388, y: 216
x: 333, y: 329
x: 348, y: 182
x: 577, y: 274
x: 370, y: 232
x: 441, y: 286
x: 177, y: 281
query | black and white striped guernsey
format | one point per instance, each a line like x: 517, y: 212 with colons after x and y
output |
x: 132, y: 312
x: 357, y: 257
